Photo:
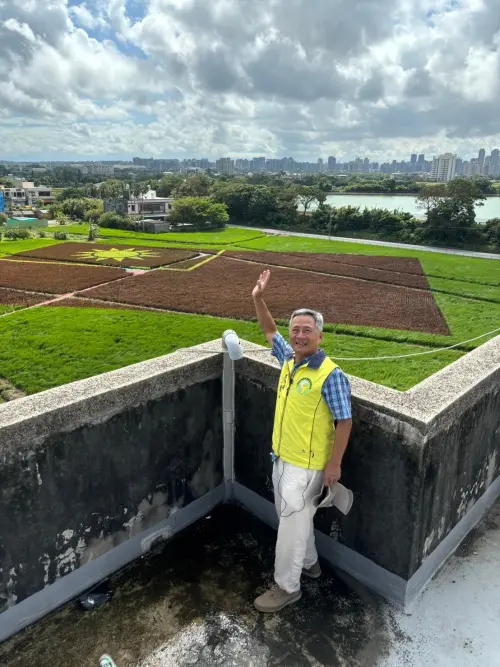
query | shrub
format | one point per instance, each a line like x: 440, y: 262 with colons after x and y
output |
x: 492, y: 232
x: 42, y: 234
x: 93, y: 232
x: 115, y: 221
x: 19, y: 234
x: 60, y: 236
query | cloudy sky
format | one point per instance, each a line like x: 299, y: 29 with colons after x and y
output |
x: 307, y: 78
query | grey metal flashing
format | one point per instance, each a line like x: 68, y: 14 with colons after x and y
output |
x: 337, y: 555
x: 434, y: 562
x: 387, y: 584
x: 82, y: 579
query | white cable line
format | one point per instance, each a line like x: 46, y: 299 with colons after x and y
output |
x: 400, y: 356
x: 417, y: 354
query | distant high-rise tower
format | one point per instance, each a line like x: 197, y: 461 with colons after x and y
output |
x: 413, y: 158
x: 225, y: 166
x: 495, y: 162
x: 481, y: 158
x: 444, y: 167
x: 332, y: 163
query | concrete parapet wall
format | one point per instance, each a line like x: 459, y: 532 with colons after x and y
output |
x: 92, y: 473
x: 87, y: 467
x: 418, y: 462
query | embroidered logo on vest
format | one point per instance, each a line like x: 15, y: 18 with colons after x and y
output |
x: 304, y: 387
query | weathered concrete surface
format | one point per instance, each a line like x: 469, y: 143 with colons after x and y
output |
x: 77, y: 494
x: 191, y: 604
x: 417, y: 461
x: 381, y: 467
x: 460, y: 463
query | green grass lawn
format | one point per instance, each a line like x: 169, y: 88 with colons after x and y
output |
x: 47, y: 347
x: 13, y: 247
x: 43, y: 348
x: 223, y: 237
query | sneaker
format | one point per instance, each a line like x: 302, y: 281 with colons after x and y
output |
x: 276, y: 599
x: 313, y: 572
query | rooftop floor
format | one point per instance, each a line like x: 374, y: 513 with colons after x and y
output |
x: 191, y: 604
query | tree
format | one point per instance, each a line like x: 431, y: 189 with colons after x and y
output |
x: 257, y: 205
x: 70, y: 193
x: 92, y: 215
x: 76, y: 208
x: 201, y: 213
x: 429, y: 196
x: 451, y: 217
x: 93, y: 231
x: 140, y: 188
x: 3, y: 222
x: 112, y: 189
x: 238, y: 199
x: 492, y: 232
x: 168, y: 184
x: 307, y: 194
x: 197, y: 185
x: 483, y: 184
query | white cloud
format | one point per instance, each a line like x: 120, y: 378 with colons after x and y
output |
x: 22, y: 29
x: 286, y: 77
x: 82, y: 15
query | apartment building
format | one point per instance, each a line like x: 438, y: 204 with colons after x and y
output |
x: 444, y: 168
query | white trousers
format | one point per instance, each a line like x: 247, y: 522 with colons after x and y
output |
x: 294, y: 490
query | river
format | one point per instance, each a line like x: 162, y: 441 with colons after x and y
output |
x: 491, y: 208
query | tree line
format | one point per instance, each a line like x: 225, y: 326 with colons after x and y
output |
x: 201, y: 200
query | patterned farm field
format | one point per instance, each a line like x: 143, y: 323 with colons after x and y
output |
x: 222, y: 288
x: 392, y: 270
x: 108, y: 255
x: 54, y: 278
x: 14, y: 297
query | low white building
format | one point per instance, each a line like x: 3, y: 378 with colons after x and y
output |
x: 24, y: 193
x: 147, y: 205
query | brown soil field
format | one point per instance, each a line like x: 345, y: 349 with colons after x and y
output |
x: 12, y: 297
x: 53, y: 278
x: 109, y: 255
x: 398, y: 264
x: 404, y: 272
x: 187, y: 264
x: 223, y: 288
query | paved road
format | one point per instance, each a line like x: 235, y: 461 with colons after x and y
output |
x: 387, y: 244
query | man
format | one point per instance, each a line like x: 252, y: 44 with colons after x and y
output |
x: 313, y: 413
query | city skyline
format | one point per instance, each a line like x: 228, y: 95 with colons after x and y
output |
x: 85, y: 79
x: 485, y: 158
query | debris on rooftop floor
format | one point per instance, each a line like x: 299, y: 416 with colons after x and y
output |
x: 190, y: 603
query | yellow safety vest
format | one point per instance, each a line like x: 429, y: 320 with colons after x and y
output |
x: 304, y: 430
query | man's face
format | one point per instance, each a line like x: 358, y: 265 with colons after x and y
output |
x: 305, y: 338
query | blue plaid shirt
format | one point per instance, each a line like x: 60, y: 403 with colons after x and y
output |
x: 336, y: 389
